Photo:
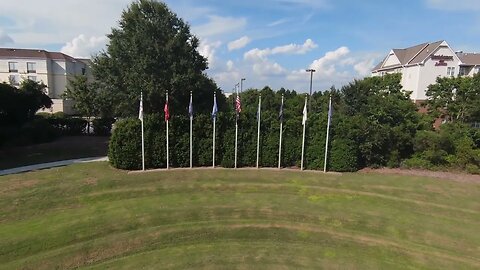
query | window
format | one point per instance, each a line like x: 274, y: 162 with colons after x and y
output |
x: 463, y: 71
x: 14, y: 79
x: 32, y: 78
x: 12, y: 66
x: 84, y: 71
x: 451, y: 71
x: 31, y: 67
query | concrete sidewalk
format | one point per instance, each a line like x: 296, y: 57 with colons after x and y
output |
x: 48, y: 165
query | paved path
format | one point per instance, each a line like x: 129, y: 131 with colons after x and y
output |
x: 48, y: 165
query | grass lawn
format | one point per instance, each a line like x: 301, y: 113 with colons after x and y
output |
x: 90, y: 216
x: 68, y: 147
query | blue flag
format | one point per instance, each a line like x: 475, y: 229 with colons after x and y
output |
x: 190, y: 107
x: 215, y: 109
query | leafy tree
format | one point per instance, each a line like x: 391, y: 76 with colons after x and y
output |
x: 18, y: 106
x: 455, y: 98
x: 153, y: 51
x: 380, y: 117
x: 84, y: 95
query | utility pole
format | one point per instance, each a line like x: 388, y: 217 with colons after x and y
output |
x: 311, y: 79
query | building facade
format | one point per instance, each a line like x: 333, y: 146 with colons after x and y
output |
x: 54, y: 69
x: 420, y: 65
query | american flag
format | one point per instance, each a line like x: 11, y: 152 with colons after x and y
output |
x: 238, y: 104
x: 166, y: 111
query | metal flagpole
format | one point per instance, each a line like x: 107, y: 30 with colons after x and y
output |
x: 236, y: 130
x: 168, y: 118
x: 328, y: 132
x: 236, y: 138
x: 190, y: 111
x: 214, y: 120
x: 304, y: 122
x: 143, y: 138
x: 281, y: 131
x: 258, y: 126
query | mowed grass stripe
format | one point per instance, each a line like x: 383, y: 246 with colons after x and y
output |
x: 63, y: 217
x: 130, y: 243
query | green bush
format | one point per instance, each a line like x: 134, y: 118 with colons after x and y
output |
x: 124, y: 151
x: 68, y: 126
x: 473, y: 169
x: 102, y: 126
x: 416, y: 163
x: 343, y: 156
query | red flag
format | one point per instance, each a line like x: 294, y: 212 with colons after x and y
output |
x: 167, y: 113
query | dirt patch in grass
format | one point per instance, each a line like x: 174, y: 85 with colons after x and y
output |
x: 17, y: 184
x: 455, y: 176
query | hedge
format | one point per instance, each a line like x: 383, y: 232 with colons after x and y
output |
x: 125, y: 142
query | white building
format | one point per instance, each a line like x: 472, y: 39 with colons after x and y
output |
x: 421, y: 64
x: 54, y: 69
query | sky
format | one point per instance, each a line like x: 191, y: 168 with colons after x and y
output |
x: 269, y: 42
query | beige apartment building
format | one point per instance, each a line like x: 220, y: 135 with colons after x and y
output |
x: 54, y: 69
x: 420, y: 65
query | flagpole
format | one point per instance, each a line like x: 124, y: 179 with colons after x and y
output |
x: 168, y: 163
x: 143, y: 138
x: 191, y: 131
x: 236, y: 129
x: 303, y: 138
x: 280, y: 142
x: 258, y: 127
x: 328, y: 132
x: 236, y: 138
x: 214, y: 120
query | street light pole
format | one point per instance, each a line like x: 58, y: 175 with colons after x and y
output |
x: 310, y: 99
x: 241, y: 85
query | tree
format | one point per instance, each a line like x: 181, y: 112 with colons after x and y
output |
x: 455, y: 99
x: 153, y: 51
x: 18, y: 106
x: 84, y: 95
x: 380, y: 117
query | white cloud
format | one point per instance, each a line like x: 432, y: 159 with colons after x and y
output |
x: 35, y: 23
x: 230, y: 65
x: 239, y: 43
x: 256, y: 53
x: 278, y: 22
x: 326, y: 65
x: 364, y: 67
x: 83, y: 46
x: 5, y: 39
x: 295, y: 48
x: 218, y: 25
x: 208, y: 50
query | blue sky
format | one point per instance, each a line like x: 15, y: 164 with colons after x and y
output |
x: 268, y: 42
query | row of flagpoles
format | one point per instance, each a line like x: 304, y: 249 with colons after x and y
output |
x: 238, y: 110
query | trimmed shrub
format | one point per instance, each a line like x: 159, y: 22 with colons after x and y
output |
x: 124, y: 150
x: 343, y: 156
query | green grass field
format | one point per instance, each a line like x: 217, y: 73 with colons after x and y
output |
x: 91, y: 216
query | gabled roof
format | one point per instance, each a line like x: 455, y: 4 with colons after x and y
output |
x: 412, y: 55
x: 32, y: 53
x: 470, y: 59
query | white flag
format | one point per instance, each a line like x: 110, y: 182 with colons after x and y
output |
x: 304, y: 120
x: 140, y: 112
